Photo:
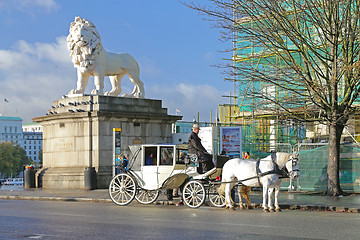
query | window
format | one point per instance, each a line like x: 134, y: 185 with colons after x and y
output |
x: 181, y: 156
x: 150, y: 156
x: 166, y: 156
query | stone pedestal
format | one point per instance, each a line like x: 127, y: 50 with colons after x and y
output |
x: 78, y: 133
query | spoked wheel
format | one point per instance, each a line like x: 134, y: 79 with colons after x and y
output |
x: 194, y: 194
x: 215, y: 198
x: 122, y: 189
x: 146, y: 196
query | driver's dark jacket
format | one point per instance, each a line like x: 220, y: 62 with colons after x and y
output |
x: 195, y: 147
x: 194, y: 144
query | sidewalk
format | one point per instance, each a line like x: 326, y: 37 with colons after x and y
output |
x: 287, y: 200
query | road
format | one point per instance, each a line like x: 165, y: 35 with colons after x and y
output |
x: 76, y: 220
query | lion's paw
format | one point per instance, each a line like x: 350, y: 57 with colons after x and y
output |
x: 127, y: 95
x: 110, y: 93
x: 74, y: 91
x: 97, y: 92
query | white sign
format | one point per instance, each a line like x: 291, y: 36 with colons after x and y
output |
x: 206, y: 136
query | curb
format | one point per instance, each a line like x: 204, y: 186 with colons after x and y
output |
x: 57, y: 199
x: 172, y: 203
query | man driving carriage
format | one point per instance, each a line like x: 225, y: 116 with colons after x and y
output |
x: 195, y: 147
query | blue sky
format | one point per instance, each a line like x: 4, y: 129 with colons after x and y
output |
x: 174, y: 46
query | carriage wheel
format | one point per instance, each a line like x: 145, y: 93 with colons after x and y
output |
x: 146, y: 196
x: 215, y: 198
x: 122, y: 189
x: 194, y: 194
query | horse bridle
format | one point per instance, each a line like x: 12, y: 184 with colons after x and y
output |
x: 293, y: 163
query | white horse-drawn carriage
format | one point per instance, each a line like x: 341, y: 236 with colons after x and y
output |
x: 154, y: 168
x: 171, y: 167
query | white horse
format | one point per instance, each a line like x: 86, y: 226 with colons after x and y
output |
x: 264, y: 172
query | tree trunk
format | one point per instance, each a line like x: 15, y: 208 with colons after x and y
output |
x: 333, y: 182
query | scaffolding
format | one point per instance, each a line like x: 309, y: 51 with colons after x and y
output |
x: 265, y: 125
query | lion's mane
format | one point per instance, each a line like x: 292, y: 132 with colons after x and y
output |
x: 84, y: 47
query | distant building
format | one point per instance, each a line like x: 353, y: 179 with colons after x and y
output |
x: 32, y: 133
x: 11, y: 130
x: 27, y: 136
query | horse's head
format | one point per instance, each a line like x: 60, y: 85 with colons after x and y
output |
x: 292, y: 166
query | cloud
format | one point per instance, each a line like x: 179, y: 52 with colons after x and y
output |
x: 34, y: 75
x: 29, y: 6
x: 190, y: 99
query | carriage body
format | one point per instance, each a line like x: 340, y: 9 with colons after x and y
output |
x: 166, y: 162
x: 170, y: 167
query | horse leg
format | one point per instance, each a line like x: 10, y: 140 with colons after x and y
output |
x: 291, y: 187
x: 228, y: 200
x: 246, y: 195
x: 270, y: 202
x: 277, y: 190
x: 240, y: 192
x: 265, y: 194
x: 115, y: 84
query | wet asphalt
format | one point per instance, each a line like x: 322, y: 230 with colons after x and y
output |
x: 295, y: 200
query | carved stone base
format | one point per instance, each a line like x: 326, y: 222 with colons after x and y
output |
x: 78, y: 133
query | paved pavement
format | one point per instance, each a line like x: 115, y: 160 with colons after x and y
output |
x: 287, y: 200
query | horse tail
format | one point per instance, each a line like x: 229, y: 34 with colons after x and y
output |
x: 221, y: 189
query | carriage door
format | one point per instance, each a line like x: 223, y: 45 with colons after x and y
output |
x: 149, y: 167
x: 166, y: 163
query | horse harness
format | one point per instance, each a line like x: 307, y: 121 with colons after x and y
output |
x: 283, y: 172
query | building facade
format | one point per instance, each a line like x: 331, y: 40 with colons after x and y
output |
x: 32, y: 135
x: 11, y: 130
x: 27, y: 136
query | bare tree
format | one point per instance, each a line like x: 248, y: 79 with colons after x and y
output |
x: 307, y: 51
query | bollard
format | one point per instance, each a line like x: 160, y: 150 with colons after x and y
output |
x: 90, y: 179
x: 29, y: 178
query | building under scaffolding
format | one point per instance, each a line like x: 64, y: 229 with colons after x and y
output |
x: 252, y: 101
x: 267, y: 127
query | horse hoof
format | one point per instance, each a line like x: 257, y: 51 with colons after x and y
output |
x: 230, y: 207
x: 250, y: 207
x: 272, y: 210
x: 278, y: 210
x: 266, y: 210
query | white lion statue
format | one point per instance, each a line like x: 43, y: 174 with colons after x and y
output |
x: 90, y: 59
